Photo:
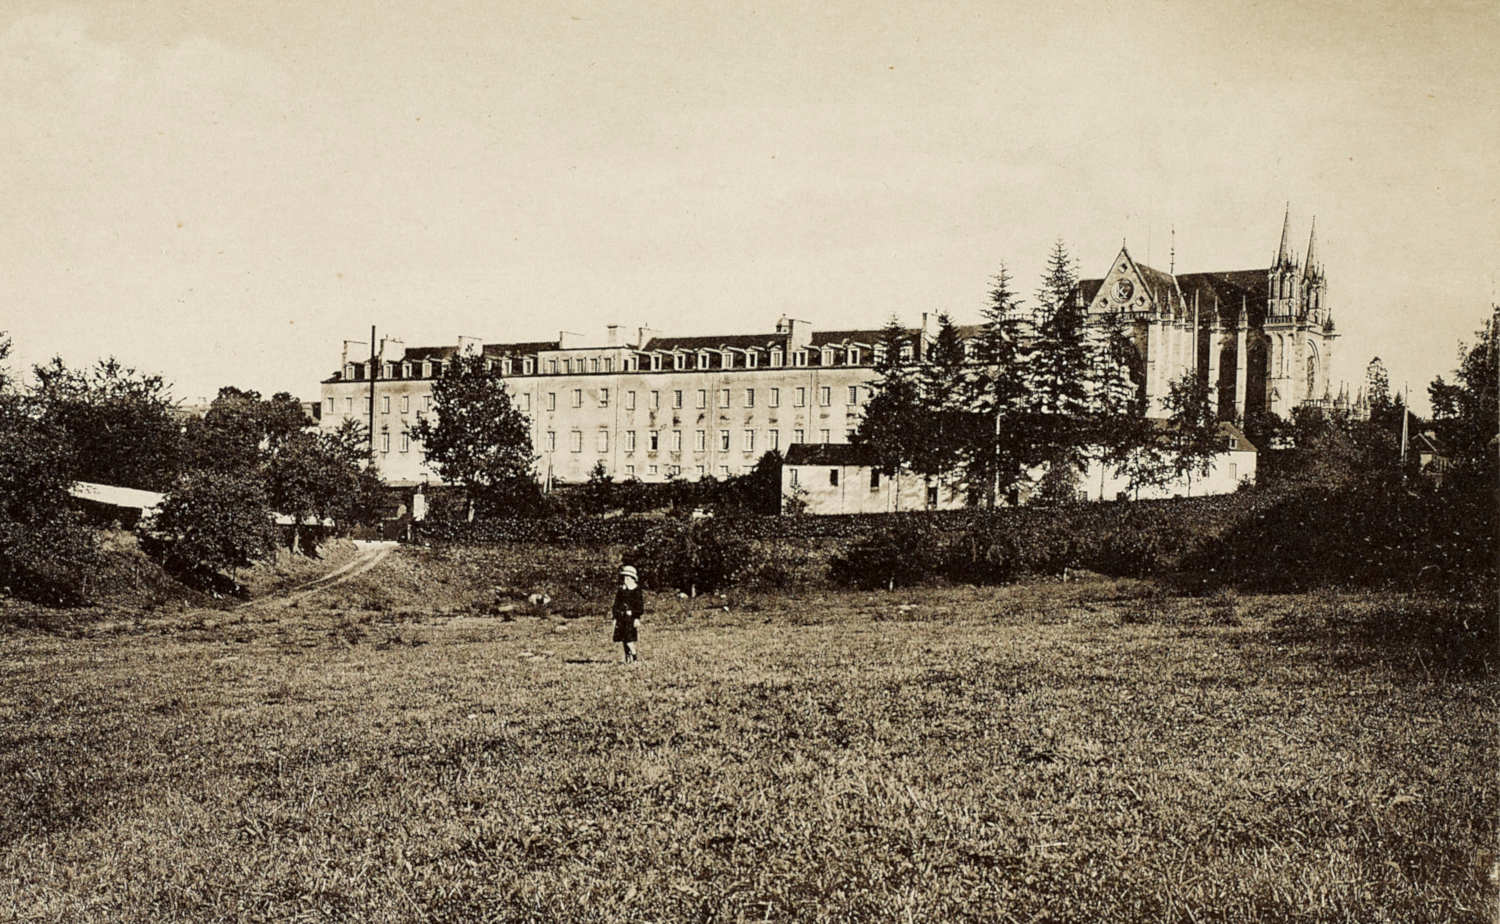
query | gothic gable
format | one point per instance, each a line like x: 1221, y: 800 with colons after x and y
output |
x: 1127, y: 287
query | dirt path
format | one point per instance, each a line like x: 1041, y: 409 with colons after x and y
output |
x: 370, y: 555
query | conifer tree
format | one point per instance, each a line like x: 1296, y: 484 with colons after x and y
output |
x: 1060, y: 367
x: 943, y: 382
x: 998, y: 392
x: 895, y: 425
x: 1191, y: 439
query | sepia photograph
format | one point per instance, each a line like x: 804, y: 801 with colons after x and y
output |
x: 667, y: 461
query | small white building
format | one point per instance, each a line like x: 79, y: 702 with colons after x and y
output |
x: 828, y: 478
x: 1226, y: 472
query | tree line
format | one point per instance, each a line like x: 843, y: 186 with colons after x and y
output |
x: 223, y: 474
x: 1044, y: 391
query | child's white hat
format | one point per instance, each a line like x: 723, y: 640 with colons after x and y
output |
x: 628, y: 571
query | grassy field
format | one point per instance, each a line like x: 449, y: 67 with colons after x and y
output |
x: 1091, y: 751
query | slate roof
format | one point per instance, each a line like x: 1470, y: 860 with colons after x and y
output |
x: 829, y: 454
x: 715, y: 342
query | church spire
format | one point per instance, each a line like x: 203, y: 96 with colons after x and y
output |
x: 1312, y: 250
x: 1284, y: 255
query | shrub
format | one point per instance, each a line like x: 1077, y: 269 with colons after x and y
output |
x: 899, y: 553
x: 692, y: 557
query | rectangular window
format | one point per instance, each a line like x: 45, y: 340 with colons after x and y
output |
x: 593, y: 365
x: 801, y: 398
x: 853, y: 394
x: 630, y: 470
x: 630, y: 441
x: 723, y: 471
x: 526, y: 401
x: 749, y: 440
x: 750, y: 359
x: 874, y: 479
x: 385, y: 442
x: 700, y: 471
x: 776, y: 439
x: 528, y: 366
x: 677, y: 398
x: 679, y: 361
x: 552, y: 367
x: 776, y: 357
x: 578, y: 397
x: 427, y: 402
x: 749, y: 397
x: 674, y: 469
x: 427, y: 370
x: 723, y: 440
x: 702, y: 398
x: 330, y: 405
x: 575, y: 440
x: 651, y: 470
x: 794, y: 478
x: 723, y: 397
x: 799, y: 358
x: 1233, y: 471
x: 551, y: 400
x: 367, y: 404
x: 604, y: 397
x: 798, y: 436
x: 630, y: 401
x: 385, y: 404
x: 655, y: 401
x: 609, y: 364
x: 825, y: 396
x: 405, y: 441
x: 775, y: 400
x: 822, y: 436
x: 833, y: 477
x: 700, y: 440
x: 854, y: 356
x: 552, y: 441
x: 653, y: 440
x: 348, y: 405
x: 702, y: 360
x: 677, y: 441
x: 603, y: 442
x: 506, y: 366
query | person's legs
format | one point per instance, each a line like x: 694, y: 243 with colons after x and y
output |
x: 630, y: 651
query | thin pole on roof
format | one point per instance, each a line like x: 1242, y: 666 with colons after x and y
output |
x: 372, y: 392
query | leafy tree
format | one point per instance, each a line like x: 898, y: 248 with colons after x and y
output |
x: 997, y: 452
x: 1467, y: 412
x: 241, y: 428
x: 217, y: 520
x: 895, y: 424
x: 318, y: 476
x: 1126, y: 440
x: 121, y: 423
x: 597, y: 495
x: 757, y: 491
x: 479, y: 439
x: 45, y: 550
x: 1191, y: 438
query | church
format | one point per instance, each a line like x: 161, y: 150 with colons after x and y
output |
x: 1263, y: 338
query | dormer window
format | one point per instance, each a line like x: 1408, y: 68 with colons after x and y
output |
x: 827, y: 357
x: 702, y: 360
x: 750, y: 359
x: 385, y: 371
x: 799, y: 358
x: 528, y: 366
x: 349, y: 372
x: 854, y: 356
x: 880, y: 353
x: 505, y: 367
x: 679, y: 361
x: 776, y: 358
x: 427, y: 370
x: 655, y: 362
x: 406, y: 370
x: 552, y: 367
x: 728, y: 359
x: 906, y: 352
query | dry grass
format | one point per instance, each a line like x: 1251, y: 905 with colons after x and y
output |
x: 1081, y: 752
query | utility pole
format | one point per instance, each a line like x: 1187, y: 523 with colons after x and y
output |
x: 373, y: 373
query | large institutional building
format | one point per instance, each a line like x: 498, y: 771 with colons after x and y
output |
x: 652, y: 406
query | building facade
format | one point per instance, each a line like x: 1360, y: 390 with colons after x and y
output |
x: 651, y: 409
x: 1264, y: 338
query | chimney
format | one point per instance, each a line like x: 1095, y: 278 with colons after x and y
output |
x: 613, y: 337
x: 567, y: 340
x: 356, y: 351
x: 469, y: 346
x: 644, y: 338
x: 798, y: 333
x: 392, y: 350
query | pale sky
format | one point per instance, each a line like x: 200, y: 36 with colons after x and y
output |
x: 223, y: 192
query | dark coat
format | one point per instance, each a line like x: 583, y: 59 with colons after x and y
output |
x: 629, y: 605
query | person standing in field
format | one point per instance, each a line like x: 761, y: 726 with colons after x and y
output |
x: 630, y: 603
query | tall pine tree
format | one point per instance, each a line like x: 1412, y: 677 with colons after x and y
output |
x: 1060, y: 370
x: 996, y: 453
x: 895, y: 425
